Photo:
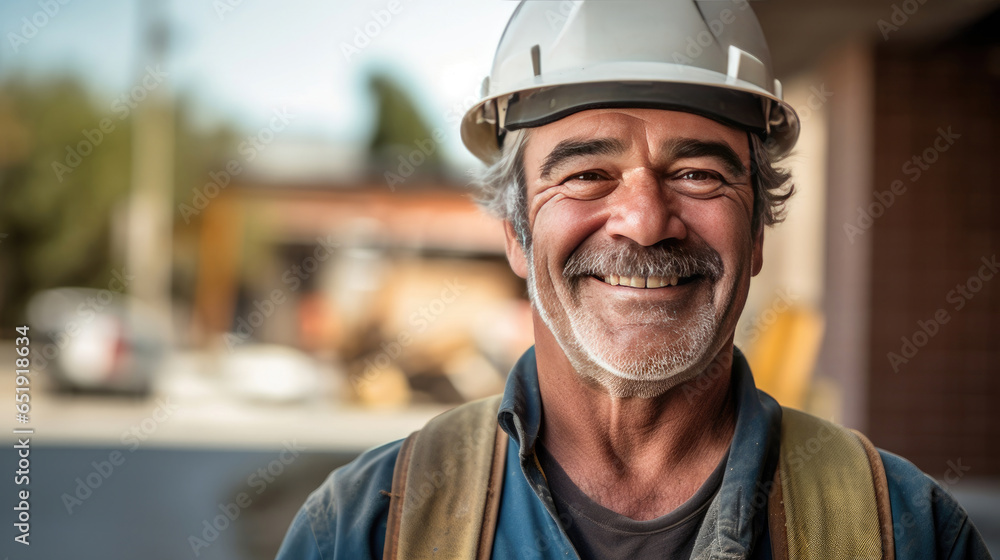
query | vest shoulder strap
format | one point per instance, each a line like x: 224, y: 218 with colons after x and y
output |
x: 446, y: 486
x: 830, y: 497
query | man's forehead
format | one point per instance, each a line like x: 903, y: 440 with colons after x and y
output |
x: 624, y: 128
x: 663, y: 135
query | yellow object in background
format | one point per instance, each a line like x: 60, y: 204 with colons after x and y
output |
x: 783, y: 357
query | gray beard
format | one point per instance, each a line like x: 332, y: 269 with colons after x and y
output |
x: 625, y: 372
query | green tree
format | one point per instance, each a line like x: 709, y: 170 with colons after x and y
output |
x: 61, y: 177
x: 400, y: 130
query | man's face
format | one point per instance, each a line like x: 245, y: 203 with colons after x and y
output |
x: 642, y: 249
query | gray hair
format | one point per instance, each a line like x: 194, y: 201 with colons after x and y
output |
x: 503, y: 188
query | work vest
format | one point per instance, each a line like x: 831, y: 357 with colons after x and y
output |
x: 836, y: 505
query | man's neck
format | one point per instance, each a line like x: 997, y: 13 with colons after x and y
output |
x: 641, y: 458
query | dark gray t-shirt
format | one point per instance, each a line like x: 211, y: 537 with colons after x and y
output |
x: 599, y: 533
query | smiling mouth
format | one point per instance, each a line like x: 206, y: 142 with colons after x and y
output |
x: 646, y: 281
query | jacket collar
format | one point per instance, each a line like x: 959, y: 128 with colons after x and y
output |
x: 738, y: 514
x: 520, y: 413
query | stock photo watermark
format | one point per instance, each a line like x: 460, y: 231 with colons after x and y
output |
x: 706, y: 380
x: 103, y: 470
x: 698, y: 43
x: 22, y: 478
x: 32, y: 25
x: 954, y: 473
x: 959, y: 297
x: 122, y: 106
x: 250, y: 148
x: 557, y: 17
x: 86, y: 312
x: 293, y: 277
x: 407, y: 164
x: 225, y: 7
x: 366, y: 33
x: 914, y: 168
x: 783, y: 302
x: 899, y: 17
x: 230, y: 511
x: 420, y: 320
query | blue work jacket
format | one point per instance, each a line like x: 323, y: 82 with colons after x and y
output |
x: 345, y: 518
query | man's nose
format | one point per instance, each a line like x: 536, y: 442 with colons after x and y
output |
x: 644, y: 210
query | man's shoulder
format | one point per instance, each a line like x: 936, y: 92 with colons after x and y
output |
x: 927, y: 520
x: 370, y: 471
x: 345, y: 517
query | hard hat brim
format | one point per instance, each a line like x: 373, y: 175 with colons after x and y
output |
x: 769, y: 118
x: 730, y: 107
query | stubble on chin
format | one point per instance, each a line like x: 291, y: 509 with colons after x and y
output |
x: 625, y: 371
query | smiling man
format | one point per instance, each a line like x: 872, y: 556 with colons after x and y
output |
x: 643, y: 244
x: 635, y: 179
x: 641, y: 250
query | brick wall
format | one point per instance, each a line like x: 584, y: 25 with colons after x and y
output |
x: 939, y: 399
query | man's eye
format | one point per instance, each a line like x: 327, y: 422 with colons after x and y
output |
x: 698, y: 181
x: 586, y: 176
x: 587, y: 185
x: 701, y: 176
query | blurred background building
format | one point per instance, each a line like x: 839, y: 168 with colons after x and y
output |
x: 244, y: 240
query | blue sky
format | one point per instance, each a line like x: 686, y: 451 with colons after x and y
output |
x: 241, y: 59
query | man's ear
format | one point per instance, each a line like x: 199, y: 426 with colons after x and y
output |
x: 758, y: 251
x: 515, y: 253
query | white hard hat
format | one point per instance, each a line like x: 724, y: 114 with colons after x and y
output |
x: 704, y: 57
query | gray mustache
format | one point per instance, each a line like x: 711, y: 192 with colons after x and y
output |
x: 636, y: 260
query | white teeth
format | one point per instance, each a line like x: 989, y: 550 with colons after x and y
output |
x: 641, y: 282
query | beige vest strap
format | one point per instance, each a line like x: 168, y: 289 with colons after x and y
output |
x: 830, y: 497
x: 438, y: 506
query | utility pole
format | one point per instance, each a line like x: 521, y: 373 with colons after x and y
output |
x: 149, y: 228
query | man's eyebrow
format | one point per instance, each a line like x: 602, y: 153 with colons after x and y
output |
x: 680, y: 148
x: 568, y: 149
